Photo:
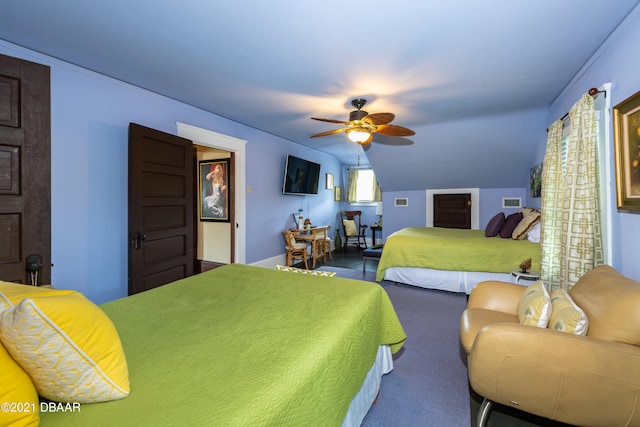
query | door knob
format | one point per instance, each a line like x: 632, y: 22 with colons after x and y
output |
x: 137, y: 239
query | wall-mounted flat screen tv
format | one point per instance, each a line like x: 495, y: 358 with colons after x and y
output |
x: 300, y: 176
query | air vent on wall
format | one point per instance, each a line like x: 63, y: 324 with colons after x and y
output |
x: 511, y: 202
x: 401, y: 202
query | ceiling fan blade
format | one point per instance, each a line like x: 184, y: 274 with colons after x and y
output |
x: 392, y: 130
x: 329, y: 132
x: 379, y: 118
x: 330, y: 121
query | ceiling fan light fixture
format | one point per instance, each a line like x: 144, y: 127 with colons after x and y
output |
x: 360, y: 136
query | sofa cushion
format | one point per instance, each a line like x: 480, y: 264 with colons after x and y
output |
x: 566, y: 316
x: 610, y: 301
x: 534, y: 308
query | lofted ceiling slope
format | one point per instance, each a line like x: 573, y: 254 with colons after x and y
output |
x: 473, y: 79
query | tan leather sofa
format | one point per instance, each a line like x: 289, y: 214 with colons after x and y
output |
x: 591, y: 380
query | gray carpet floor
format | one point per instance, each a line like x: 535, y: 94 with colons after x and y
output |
x: 428, y: 385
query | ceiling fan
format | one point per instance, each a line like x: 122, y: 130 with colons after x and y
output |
x: 362, y: 125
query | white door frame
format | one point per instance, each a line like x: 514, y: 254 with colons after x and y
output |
x: 220, y: 141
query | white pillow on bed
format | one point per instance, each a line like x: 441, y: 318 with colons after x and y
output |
x: 534, y: 233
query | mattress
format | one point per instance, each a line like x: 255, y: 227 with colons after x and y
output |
x: 243, y: 345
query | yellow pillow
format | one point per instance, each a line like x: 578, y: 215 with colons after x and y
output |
x: 535, y: 306
x: 68, y: 346
x: 303, y: 271
x: 566, y: 316
x: 350, y: 227
x: 18, y: 396
x: 12, y: 293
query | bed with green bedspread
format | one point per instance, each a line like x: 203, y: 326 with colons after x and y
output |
x: 242, y: 345
x: 453, y: 249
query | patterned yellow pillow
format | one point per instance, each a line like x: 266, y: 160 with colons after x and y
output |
x: 303, y: 271
x: 18, y: 396
x: 68, y: 346
x: 566, y: 316
x: 535, y: 306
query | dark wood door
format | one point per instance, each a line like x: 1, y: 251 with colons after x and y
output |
x: 161, y: 201
x: 25, y: 171
x: 452, y: 210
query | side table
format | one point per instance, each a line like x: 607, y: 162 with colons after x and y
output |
x: 374, y: 228
x: 531, y: 275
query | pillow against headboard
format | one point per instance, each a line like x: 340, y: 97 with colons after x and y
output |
x: 523, y: 227
x: 534, y: 234
x: 510, y: 223
x: 495, y: 225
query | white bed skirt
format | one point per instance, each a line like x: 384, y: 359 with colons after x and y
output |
x: 452, y: 281
x: 362, y: 402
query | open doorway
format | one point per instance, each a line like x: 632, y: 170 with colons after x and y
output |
x: 206, y: 138
x: 213, y: 239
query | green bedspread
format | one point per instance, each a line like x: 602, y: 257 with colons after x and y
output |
x: 455, y: 250
x: 244, y: 346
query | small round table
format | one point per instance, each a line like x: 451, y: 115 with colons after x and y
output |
x: 529, y: 275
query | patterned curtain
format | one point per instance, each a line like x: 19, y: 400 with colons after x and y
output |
x: 377, y: 191
x: 352, y: 180
x: 571, y: 241
x: 551, y: 219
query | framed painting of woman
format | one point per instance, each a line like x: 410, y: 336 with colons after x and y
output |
x: 214, y: 190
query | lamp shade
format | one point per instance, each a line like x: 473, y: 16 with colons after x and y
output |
x: 360, y: 135
x: 379, y: 209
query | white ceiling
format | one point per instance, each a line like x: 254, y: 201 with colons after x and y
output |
x: 460, y: 73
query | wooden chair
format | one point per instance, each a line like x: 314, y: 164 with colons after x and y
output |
x: 294, y: 248
x: 352, y: 228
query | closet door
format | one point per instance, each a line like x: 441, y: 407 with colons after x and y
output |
x: 452, y: 210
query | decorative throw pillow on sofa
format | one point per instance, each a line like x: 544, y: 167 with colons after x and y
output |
x: 566, y: 316
x: 495, y: 225
x: 534, y: 308
x: 510, y: 223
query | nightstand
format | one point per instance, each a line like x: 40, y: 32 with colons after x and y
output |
x: 530, y: 275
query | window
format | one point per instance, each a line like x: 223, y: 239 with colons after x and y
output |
x: 362, y: 186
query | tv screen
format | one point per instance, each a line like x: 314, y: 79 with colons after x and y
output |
x: 300, y: 176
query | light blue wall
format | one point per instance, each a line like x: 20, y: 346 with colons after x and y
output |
x: 415, y: 214
x: 90, y: 115
x: 491, y: 202
x: 617, y: 63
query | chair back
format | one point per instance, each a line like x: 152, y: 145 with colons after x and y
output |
x: 351, y: 222
x: 289, y: 238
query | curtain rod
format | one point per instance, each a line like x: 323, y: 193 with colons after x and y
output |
x: 593, y: 92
